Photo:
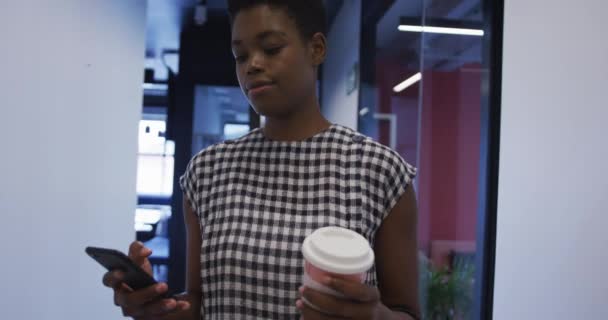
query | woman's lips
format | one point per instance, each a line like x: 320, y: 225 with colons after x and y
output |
x: 260, y: 90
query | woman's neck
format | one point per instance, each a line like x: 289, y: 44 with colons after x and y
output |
x: 297, y: 126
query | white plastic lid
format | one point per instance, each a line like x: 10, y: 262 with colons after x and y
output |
x: 338, y: 250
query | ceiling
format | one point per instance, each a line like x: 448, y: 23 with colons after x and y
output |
x: 439, y: 52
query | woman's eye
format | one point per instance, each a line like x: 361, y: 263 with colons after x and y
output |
x: 273, y: 51
x: 240, y: 59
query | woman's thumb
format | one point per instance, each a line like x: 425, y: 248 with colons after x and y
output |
x: 138, y: 252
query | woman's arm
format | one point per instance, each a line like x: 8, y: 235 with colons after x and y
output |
x: 193, y: 278
x: 397, y: 257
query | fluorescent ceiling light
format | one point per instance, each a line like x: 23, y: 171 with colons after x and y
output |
x: 407, y: 83
x: 441, y: 30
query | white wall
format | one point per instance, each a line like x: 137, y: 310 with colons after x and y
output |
x: 343, y: 40
x: 551, y: 260
x: 70, y: 102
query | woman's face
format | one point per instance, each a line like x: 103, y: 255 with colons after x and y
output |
x: 276, y: 69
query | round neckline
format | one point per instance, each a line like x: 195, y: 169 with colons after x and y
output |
x: 314, y: 136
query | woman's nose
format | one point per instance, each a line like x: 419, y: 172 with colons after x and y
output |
x: 256, y: 64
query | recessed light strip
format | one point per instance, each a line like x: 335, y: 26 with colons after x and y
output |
x: 441, y: 30
x: 407, y: 83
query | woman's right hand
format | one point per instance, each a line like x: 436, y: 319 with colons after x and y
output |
x: 147, y: 303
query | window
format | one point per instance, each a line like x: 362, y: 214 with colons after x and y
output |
x: 422, y: 93
x: 154, y: 188
x: 155, y: 159
x: 235, y: 130
x: 220, y: 113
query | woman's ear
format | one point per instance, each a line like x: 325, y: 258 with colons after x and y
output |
x: 318, y: 46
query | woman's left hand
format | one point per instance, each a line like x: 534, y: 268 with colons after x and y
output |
x: 361, y: 302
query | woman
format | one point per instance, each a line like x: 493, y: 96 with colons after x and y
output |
x: 249, y: 203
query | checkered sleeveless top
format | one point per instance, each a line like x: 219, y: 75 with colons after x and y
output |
x: 257, y: 199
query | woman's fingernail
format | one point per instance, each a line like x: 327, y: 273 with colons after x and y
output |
x: 161, y: 288
x: 169, y: 306
x: 301, y: 289
x: 299, y: 304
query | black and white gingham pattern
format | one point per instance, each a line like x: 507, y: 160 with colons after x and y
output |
x: 257, y: 200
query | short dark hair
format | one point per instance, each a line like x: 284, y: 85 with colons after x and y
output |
x: 309, y: 15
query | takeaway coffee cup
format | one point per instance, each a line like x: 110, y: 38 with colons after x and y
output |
x: 335, y: 252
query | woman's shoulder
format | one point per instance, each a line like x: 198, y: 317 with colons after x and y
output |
x: 377, y: 155
x: 368, y: 145
x: 217, y: 150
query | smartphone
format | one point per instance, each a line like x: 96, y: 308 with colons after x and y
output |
x: 135, y: 277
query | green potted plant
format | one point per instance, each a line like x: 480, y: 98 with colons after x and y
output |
x: 448, y: 294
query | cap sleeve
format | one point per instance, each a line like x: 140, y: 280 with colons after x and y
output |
x: 400, y: 176
x: 189, y: 185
